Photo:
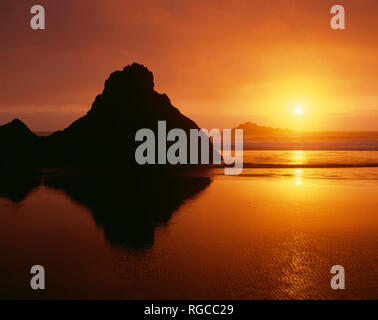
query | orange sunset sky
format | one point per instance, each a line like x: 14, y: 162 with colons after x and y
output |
x: 220, y: 62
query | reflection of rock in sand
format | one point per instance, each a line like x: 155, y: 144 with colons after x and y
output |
x: 129, y: 209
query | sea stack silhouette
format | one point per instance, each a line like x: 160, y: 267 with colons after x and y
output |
x: 105, y: 136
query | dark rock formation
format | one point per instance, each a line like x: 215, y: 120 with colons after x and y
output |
x: 105, y: 136
x: 18, y: 145
x: 16, y: 186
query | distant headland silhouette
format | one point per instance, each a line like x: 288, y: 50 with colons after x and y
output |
x: 105, y: 136
x: 251, y: 128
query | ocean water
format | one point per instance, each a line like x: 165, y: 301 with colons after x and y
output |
x: 300, y: 158
x: 273, y: 232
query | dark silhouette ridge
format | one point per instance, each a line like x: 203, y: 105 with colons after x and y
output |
x: 105, y: 136
x: 129, y: 209
x: 251, y: 128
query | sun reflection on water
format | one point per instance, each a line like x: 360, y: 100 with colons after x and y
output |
x: 298, y: 174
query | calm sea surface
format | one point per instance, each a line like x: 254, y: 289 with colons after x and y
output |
x: 273, y: 232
